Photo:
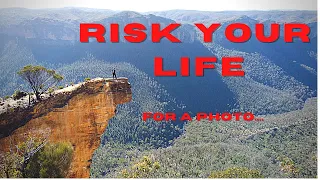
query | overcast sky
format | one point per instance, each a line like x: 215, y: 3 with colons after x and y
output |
x: 159, y: 5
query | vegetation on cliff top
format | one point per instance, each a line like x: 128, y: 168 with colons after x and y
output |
x: 39, y: 78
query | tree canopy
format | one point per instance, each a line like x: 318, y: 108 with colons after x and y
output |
x: 236, y: 172
x: 39, y: 78
x: 53, y: 161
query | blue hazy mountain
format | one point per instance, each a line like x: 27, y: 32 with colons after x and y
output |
x: 192, y: 16
x: 279, y: 76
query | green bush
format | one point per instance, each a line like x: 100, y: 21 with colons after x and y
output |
x: 53, y: 161
x: 9, y: 165
x: 142, y: 169
x: 87, y: 79
x: 288, y: 166
x: 51, y: 90
x: 18, y: 94
x: 236, y: 172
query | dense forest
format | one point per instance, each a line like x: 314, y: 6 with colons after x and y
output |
x: 283, y: 145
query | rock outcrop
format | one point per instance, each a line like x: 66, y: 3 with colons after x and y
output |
x: 77, y: 114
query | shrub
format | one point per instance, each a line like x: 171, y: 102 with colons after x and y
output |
x: 50, y: 90
x: 13, y: 164
x: 142, y: 169
x: 9, y: 164
x: 236, y: 172
x: 288, y: 166
x: 53, y: 161
x: 18, y: 94
x: 87, y: 79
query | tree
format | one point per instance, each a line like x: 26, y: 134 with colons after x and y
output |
x: 53, y: 161
x: 36, y: 158
x: 9, y: 165
x: 236, y: 172
x: 288, y: 166
x: 13, y: 163
x: 143, y: 169
x: 39, y: 78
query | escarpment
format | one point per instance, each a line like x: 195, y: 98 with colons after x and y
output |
x: 77, y: 114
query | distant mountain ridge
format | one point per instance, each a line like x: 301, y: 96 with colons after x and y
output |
x: 68, y: 18
x: 51, y: 36
x: 279, y: 16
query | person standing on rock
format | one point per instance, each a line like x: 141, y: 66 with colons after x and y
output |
x: 114, y: 75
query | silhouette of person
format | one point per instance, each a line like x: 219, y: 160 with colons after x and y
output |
x: 114, y: 75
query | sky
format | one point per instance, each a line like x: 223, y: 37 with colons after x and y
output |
x: 160, y: 5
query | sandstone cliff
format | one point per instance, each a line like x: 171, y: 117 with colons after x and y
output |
x: 77, y: 114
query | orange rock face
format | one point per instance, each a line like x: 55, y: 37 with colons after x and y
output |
x: 81, y: 121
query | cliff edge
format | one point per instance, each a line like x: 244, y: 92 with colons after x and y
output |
x: 77, y: 114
